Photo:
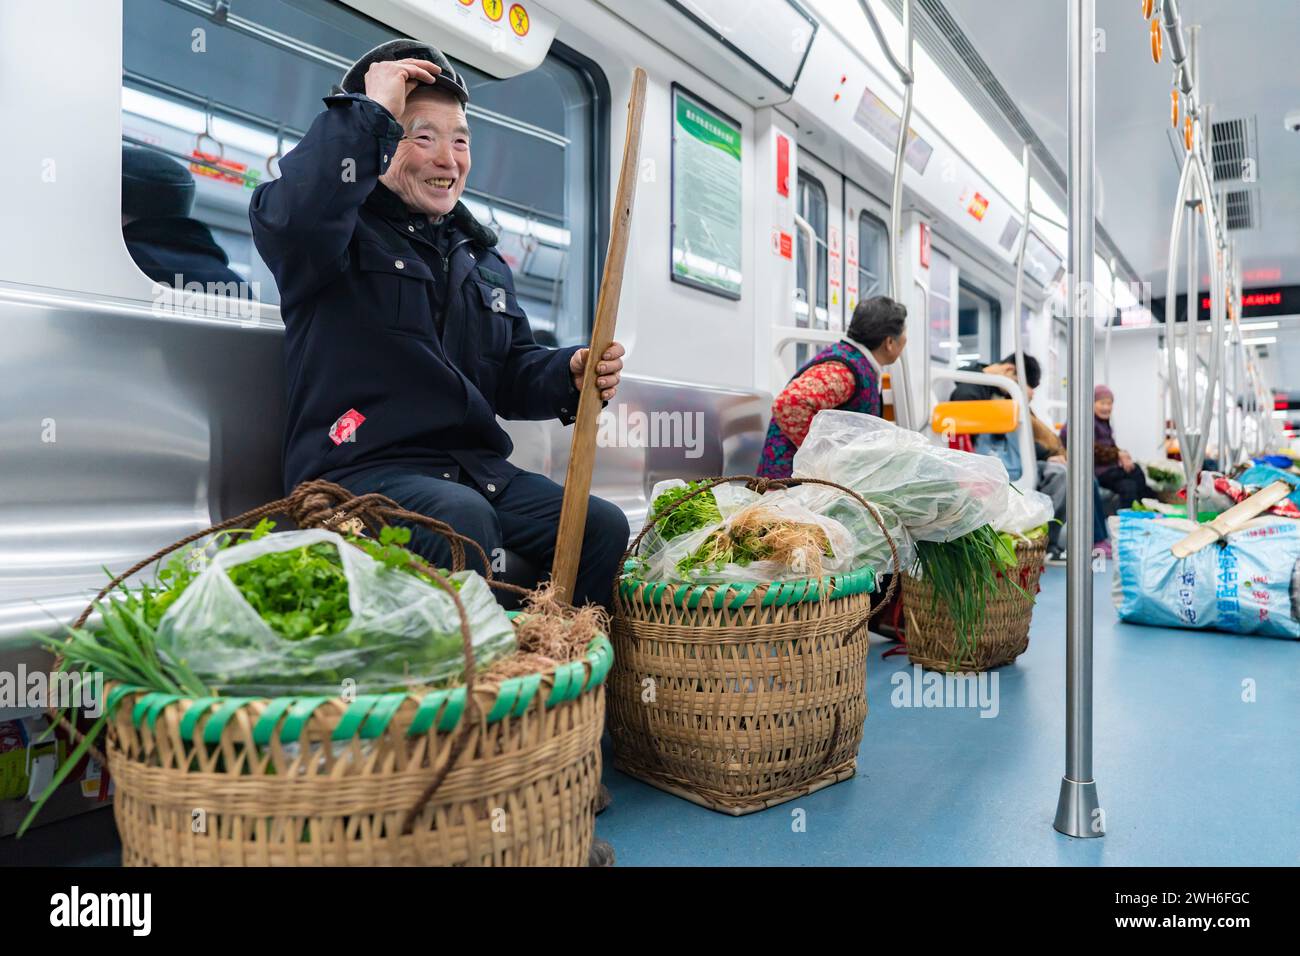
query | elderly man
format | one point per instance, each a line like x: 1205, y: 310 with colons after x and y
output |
x: 403, y: 337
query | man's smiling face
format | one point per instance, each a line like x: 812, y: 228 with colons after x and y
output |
x: 431, y: 164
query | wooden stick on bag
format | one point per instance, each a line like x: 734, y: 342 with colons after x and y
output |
x: 1232, y: 519
x: 582, y: 453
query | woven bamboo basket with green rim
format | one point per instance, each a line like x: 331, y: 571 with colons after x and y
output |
x: 745, y: 695
x: 498, y: 774
x: 1002, y: 637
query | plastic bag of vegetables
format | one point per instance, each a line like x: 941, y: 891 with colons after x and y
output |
x: 304, y: 611
x: 730, y: 533
x: 938, y: 493
x: 1025, y: 512
x: 869, y: 546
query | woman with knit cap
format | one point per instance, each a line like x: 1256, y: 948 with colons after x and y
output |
x: 1114, y: 467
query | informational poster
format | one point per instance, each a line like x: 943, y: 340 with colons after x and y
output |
x: 706, y: 197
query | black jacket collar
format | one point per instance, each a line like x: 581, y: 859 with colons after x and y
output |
x: 385, y: 202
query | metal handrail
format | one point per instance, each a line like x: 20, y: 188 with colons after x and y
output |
x: 1028, y: 479
x: 1193, y: 451
x: 906, y: 76
x: 1017, y: 332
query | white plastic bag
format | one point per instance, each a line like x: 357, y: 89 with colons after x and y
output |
x: 1025, y: 512
x: 939, y: 494
x: 661, y: 558
x: 404, y: 630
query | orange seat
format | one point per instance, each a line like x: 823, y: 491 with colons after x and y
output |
x: 886, y: 398
x: 994, y: 416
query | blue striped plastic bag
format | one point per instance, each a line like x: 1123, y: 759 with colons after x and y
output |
x: 1245, y: 584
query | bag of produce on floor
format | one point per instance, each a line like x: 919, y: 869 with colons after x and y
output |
x: 729, y: 533
x: 1248, y: 583
x: 303, y: 611
x: 938, y: 493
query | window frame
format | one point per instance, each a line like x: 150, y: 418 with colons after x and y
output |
x: 806, y: 178
x: 864, y: 216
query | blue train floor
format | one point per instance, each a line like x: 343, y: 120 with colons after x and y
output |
x: 1196, y: 758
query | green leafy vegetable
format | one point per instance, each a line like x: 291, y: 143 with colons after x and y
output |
x: 300, y: 593
x: 693, y: 514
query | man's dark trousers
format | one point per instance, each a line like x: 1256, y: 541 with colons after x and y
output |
x: 523, y: 517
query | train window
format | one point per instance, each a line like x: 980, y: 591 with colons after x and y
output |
x: 943, y: 342
x: 808, y: 291
x: 873, y: 256
x: 977, y: 326
x: 221, y: 103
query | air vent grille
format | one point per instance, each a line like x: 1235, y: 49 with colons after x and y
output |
x: 1233, y: 150
x: 1241, y: 209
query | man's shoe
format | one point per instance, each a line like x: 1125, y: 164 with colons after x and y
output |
x: 1056, y: 557
x: 602, y: 853
x: 603, y: 799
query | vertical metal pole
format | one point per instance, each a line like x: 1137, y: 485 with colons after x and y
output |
x: 1221, y: 263
x: 1110, y: 321
x: 1195, y: 440
x: 1017, y: 334
x: 903, y: 411
x: 896, y: 227
x: 1077, y: 810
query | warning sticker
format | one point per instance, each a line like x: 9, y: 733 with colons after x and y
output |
x: 493, y: 9
x: 519, y: 19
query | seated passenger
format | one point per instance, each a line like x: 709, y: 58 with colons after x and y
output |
x: 167, y: 245
x: 404, y: 339
x: 845, y: 375
x: 1049, y: 453
x: 1113, y: 465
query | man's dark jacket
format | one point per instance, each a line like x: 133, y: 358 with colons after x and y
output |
x: 358, y: 297
x: 170, y: 246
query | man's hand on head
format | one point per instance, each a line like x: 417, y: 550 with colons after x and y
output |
x: 607, y: 370
x: 389, y: 82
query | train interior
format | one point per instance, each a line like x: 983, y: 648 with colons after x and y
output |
x: 169, y: 414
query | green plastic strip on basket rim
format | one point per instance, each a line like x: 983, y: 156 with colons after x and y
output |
x: 734, y: 594
x: 368, y: 715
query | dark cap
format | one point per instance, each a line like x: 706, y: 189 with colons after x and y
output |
x: 154, y: 185
x: 354, y: 81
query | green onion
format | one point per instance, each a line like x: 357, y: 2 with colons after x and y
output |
x: 963, y: 573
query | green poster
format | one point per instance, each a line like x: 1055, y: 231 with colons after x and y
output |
x: 706, y: 197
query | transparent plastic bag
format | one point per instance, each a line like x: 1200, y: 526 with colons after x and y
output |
x: 661, y: 558
x: 869, y: 546
x: 404, y: 630
x: 1025, y: 512
x: 938, y: 493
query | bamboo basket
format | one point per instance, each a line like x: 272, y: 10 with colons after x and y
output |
x: 483, y: 775
x: 740, y: 696
x: 1004, y: 635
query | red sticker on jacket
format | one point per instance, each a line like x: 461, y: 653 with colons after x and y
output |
x: 346, y: 426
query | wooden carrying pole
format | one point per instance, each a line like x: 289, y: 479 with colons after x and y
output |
x: 582, y: 453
